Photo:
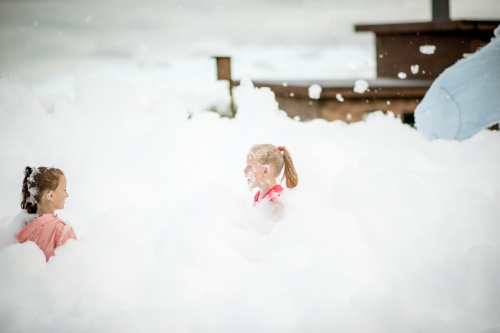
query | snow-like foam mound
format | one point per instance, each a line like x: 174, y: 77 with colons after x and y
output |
x: 386, y: 232
x: 464, y: 99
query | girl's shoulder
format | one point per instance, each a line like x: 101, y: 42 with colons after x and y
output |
x: 44, y: 223
x: 28, y: 218
x: 42, y: 220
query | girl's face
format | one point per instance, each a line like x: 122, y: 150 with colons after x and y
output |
x: 59, y: 195
x: 255, y: 173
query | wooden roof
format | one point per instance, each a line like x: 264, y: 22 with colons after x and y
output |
x: 429, y: 27
x: 378, y: 88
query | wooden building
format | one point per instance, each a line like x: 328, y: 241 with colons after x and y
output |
x: 338, y: 101
x: 421, y: 51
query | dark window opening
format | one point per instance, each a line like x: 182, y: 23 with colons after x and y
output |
x: 409, y: 118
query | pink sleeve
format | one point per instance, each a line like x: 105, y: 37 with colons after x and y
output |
x: 65, y: 232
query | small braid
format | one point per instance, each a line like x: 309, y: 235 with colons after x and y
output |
x: 27, y: 204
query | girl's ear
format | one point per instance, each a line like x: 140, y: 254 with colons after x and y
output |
x: 267, y: 169
x: 50, y: 196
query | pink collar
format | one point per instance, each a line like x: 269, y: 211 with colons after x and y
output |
x: 275, y: 189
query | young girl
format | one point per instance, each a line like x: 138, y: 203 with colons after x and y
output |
x: 44, y: 191
x: 264, y: 165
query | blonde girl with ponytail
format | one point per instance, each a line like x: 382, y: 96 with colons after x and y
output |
x: 265, y: 163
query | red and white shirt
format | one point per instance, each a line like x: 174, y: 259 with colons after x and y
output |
x: 272, y: 194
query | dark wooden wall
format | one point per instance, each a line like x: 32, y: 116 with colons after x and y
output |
x: 396, y: 53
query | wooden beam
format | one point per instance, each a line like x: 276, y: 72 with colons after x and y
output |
x: 428, y: 27
x: 347, y: 93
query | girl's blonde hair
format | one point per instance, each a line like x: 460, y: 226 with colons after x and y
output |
x: 277, y: 157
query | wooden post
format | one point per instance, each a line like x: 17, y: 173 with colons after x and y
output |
x: 440, y: 10
x: 224, y: 73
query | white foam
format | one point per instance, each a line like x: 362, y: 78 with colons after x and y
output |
x: 427, y: 49
x: 360, y: 86
x: 314, y: 91
x: 385, y: 232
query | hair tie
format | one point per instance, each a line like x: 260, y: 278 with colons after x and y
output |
x: 280, y: 148
x: 28, y: 170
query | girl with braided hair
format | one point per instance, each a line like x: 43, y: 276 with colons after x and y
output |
x: 44, y: 191
x: 265, y: 162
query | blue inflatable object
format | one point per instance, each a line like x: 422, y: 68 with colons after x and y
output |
x: 464, y: 99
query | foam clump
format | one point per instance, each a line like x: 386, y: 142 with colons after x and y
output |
x: 464, y: 99
x: 360, y: 86
x: 256, y: 104
x: 314, y: 91
x: 386, y: 231
x: 427, y: 49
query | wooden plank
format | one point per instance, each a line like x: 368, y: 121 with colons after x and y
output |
x: 223, y: 68
x: 347, y: 93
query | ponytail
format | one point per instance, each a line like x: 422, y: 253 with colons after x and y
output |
x: 292, y: 178
x: 28, y: 203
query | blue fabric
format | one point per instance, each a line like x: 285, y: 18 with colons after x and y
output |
x: 464, y: 99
